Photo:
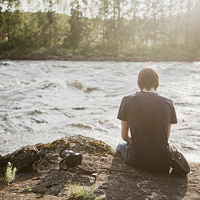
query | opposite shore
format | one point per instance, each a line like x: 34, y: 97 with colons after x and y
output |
x: 93, y: 58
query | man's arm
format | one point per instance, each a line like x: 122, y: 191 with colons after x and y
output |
x: 169, y: 129
x: 124, y: 131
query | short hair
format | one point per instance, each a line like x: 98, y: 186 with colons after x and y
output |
x: 148, y: 78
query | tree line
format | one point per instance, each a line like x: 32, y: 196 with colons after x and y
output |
x: 135, y: 28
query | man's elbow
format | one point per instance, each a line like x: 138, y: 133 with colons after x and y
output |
x: 124, y: 137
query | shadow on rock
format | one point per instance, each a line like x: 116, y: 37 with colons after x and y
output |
x: 58, y: 183
x: 125, y: 182
x: 52, y: 183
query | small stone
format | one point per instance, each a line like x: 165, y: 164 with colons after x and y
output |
x: 100, y: 191
x: 72, y: 144
x: 40, y: 189
x: 104, y: 186
x: 154, y: 195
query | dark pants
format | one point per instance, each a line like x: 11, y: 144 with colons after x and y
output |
x: 132, y: 158
x: 136, y: 160
x: 122, y: 148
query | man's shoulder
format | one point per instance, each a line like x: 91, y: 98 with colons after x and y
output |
x: 158, y: 97
x: 129, y: 97
x: 127, y: 100
x: 166, y: 99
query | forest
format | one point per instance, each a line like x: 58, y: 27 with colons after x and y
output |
x: 120, y: 28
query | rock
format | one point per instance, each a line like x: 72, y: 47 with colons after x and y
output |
x: 22, y: 159
x: 116, y: 181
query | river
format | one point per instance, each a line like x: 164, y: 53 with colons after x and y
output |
x: 42, y: 101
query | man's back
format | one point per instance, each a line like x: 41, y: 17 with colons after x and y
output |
x: 158, y: 112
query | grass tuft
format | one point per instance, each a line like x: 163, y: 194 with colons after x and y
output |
x: 29, y: 189
x: 81, y: 192
x: 10, y: 173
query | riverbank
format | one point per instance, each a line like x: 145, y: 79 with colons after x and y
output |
x: 94, y: 58
x: 116, y: 180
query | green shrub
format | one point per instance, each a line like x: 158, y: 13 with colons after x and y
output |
x: 40, y: 51
x: 63, y: 51
x: 10, y: 174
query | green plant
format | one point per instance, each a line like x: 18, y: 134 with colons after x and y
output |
x: 81, y: 192
x: 40, y: 51
x: 63, y: 51
x: 10, y: 173
x: 29, y: 189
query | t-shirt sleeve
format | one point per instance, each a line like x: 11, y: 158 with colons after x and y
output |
x: 173, y: 119
x: 122, y: 111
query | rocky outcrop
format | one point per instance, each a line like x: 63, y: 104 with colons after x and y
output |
x: 116, y: 180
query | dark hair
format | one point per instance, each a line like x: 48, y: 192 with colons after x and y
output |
x: 148, y: 78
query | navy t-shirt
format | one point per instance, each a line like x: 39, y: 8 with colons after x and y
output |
x: 158, y: 112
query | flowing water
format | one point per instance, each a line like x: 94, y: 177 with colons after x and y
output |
x: 41, y: 101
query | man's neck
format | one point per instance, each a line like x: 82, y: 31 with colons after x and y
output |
x: 151, y: 90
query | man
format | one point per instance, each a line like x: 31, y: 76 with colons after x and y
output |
x: 141, y: 150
